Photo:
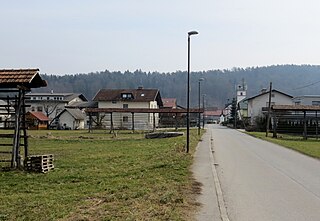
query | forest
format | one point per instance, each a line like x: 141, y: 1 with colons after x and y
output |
x: 218, y: 85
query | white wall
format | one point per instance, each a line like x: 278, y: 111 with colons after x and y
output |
x: 306, y: 100
x: 141, y: 120
x: 67, y: 118
x: 255, y: 105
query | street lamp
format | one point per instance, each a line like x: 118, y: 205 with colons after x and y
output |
x: 199, y: 115
x: 188, y: 90
x: 203, y: 95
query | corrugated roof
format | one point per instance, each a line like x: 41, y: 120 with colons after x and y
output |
x: 39, y: 115
x: 139, y: 95
x: 30, y: 78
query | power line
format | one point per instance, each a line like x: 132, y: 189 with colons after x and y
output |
x: 308, y: 85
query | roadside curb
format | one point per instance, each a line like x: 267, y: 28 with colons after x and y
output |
x: 221, y: 203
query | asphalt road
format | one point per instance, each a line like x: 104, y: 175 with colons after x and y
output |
x: 262, y: 181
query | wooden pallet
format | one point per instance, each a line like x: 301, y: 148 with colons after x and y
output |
x: 39, y: 163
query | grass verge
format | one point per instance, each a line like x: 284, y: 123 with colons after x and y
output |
x: 100, y: 176
x: 310, y: 147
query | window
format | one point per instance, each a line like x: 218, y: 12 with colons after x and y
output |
x: 273, y: 95
x: 297, y: 102
x: 114, y: 102
x: 39, y: 108
x: 32, y: 108
x: 126, y: 96
x: 125, y: 106
x: 125, y: 119
x: 315, y: 103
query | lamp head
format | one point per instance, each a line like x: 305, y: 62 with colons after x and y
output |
x: 192, y: 33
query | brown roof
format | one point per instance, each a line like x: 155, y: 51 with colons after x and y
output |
x: 29, y: 78
x: 213, y: 113
x: 39, y: 115
x: 169, y: 102
x: 139, y: 95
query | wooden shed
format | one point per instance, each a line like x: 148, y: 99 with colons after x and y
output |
x: 14, y: 83
x: 37, y: 121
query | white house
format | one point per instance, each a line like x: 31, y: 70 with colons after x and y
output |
x: 52, y: 104
x: 257, y: 105
x: 127, y: 99
x: 72, y: 118
x: 307, y: 100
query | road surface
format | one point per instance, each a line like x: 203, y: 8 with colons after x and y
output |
x: 263, y: 181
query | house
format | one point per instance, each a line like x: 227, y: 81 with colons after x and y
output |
x: 51, y: 104
x: 5, y: 115
x: 127, y: 99
x: 37, y: 121
x: 169, y: 103
x: 169, y: 119
x: 307, y: 100
x: 258, y: 104
x: 213, y: 116
x: 71, y: 119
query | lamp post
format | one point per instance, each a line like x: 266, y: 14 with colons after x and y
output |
x: 203, y: 95
x: 188, y: 90
x: 199, y: 115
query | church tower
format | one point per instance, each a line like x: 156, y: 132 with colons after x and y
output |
x: 241, y: 91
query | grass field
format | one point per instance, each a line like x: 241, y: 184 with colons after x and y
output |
x: 100, y: 176
x: 310, y: 147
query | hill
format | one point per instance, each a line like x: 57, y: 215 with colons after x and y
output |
x: 219, y: 85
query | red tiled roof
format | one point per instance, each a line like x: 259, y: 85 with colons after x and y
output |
x: 213, y: 113
x: 169, y: 102
x: 39, y: 115
x: 29, y: 78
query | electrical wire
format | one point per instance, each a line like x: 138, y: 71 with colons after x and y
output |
x: 308, y: 85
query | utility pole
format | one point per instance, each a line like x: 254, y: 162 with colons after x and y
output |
x: 269, y: 109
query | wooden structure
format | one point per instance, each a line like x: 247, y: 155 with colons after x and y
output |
x: 37, y: 120
x: 94, y: 111
x: 14, y: 84
x: 39, y: 163
x: 295, y: 119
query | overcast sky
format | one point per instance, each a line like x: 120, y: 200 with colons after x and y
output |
x: 81, y: 36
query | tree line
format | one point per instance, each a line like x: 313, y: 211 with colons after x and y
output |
x: 219, y: 85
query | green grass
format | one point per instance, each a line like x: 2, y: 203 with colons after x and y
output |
x: 310, y: 147
x: 100, y: 176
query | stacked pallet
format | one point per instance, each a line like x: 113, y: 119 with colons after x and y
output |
x: 39, y: 163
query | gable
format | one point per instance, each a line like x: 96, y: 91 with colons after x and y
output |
x: 30, y: 78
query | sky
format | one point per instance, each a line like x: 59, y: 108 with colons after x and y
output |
x: 82, y: 36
